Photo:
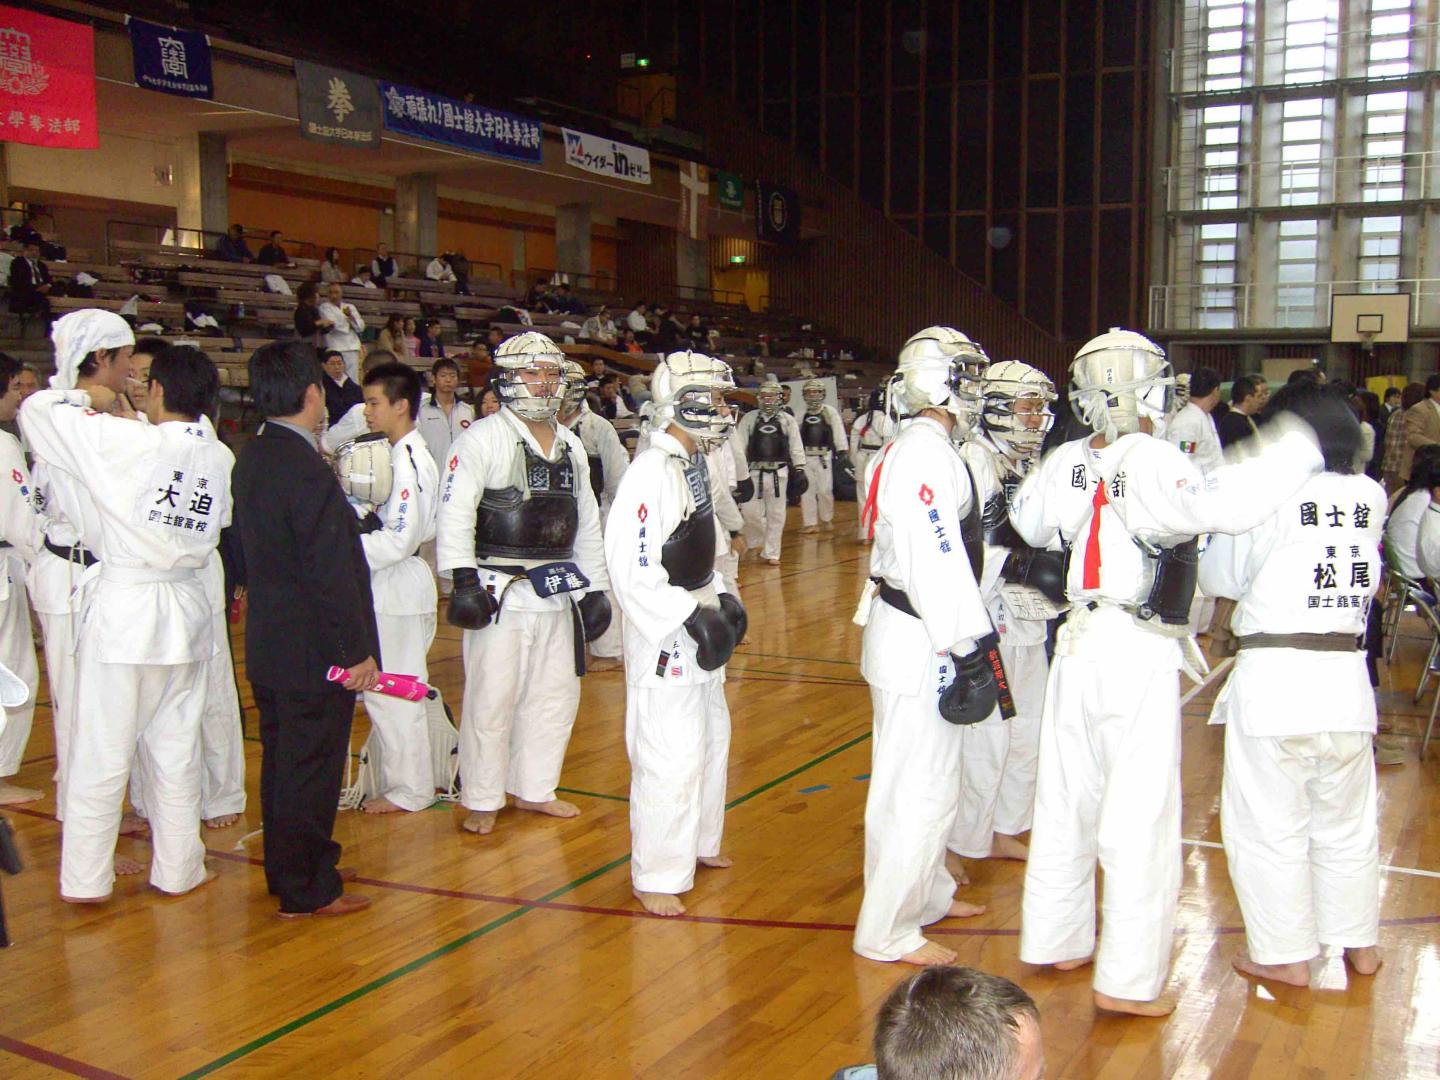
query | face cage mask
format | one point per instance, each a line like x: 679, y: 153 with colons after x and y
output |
x: 574, y: 397
x: 769, y: 407
x: 813, y: 401
x: 1008, y: 428
x: 696, y: 409
x: 523, y: 400
x: 1117, y: 408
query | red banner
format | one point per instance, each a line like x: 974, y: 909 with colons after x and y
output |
x: 47, y: 81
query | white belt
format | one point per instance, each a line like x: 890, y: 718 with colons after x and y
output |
x: 144, y: 575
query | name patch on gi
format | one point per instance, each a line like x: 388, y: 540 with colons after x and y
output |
x: 556, y: 578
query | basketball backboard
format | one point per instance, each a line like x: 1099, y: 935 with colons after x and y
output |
x: 1370, y: 317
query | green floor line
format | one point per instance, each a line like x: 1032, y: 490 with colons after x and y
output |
x: 592, y: 794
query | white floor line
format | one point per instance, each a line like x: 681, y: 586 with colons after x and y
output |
x: 1412, y: 871
x: 1215, y: 672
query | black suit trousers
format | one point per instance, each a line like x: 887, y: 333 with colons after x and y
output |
x: 304, y: 739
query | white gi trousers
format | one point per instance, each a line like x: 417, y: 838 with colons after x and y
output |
x: 407, y: 769
x: 765, y: 513
x: 909, y: 811
x: 818, y: 502
x: 58, y: 630
x: 352, y: 365
x: 678, y: 739
x: 997, y: 783
x: 1108, y: 789
x: 1302, y: 841
x: 17, y: 652
x: 521, y: 696
x: 222, y: 735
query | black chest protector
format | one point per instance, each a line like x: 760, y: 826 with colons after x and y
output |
x: 688, y: 554
x: 597, y: 467
x: 996, y: 518
x: 768, y: 443
x: 543, y: 526
x: 815, y: 432
x: 972, y: 529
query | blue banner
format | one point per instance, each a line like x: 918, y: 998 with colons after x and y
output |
x: 171, y: 61
x: 487, y: 131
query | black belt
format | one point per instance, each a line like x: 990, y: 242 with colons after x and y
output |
x: 75, y: 553
x: 896, y: 598
x: 576, y: 624
x: 1307, y: 642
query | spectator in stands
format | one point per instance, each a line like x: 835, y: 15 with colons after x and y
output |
x: 346, y: 326
x: 28, y: 381
x: 597, y: 372
x: 460, y: 267
x: 272, y: 254
x: 489, y: 402
x: 638, y: 321
x: 494, y: 338
x: 538, y: 298
x: 632, y: 343
x: 392, y: 336
x: 600, y: 327
x: 30, y: 284
x: 697, y: 333
x: 232, y: 247
x: 948, y: 1023
x: 309, y: 326
x: 440, y: 269
x: 565, y: 302
x: 669, y: 331
x: 1248, y: 395
x: 412, y: 338
x: 383, y: 267
x: 613, y: 405
x: 481, y: 364
x: 342, y: 393
x: 430, y: 344
x: 28, y: 231
x: 330, y: 271
x: 1394, y: 452
x: 443, y: 416
x: 362, y: 278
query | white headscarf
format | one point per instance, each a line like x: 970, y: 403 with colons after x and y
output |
x: 80, y: 333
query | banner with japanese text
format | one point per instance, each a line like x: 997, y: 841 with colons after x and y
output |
x: 47, y: 81
x: 337, y: 106
x: 171, y: 61
x: 409, y: 111
x: 618, y: 160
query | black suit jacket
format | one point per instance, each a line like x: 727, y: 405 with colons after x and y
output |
x: 341, y: 399
x: 1233, y: 427
x: 308, y: 581
x: 23, y: 283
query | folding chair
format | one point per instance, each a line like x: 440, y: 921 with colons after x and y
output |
x: 1400, y: 590
x: 1425, y: 604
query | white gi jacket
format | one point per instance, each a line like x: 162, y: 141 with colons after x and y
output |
x: 652, y: 502
x: 487, y: 455
x: 869, y: 432
x: 1192, y: 429
x: 400, y: 581
x: 350, y: 426
x: 161, y: 495
x: 1311, y: 568
x: 1429, y: 541
x: 991, y: 469
x: 344, y: 335
x: 19, y: 524
x: 439, y: 430
x: 600, y: 439
x: 1402, y: 533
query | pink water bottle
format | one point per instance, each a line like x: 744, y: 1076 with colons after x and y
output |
x: 406, y: 687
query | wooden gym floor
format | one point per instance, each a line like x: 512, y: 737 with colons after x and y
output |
x: 523, y: 954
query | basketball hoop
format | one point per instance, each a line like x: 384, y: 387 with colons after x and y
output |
x: 1367, y: 341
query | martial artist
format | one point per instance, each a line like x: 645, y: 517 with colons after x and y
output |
x: 519, y: 535
x: 402, y: 586
x: 160, y: 495
x: 1021, y: 587
x: 868, y: 434
x: 771, y: 438
x: 19, y: 537
x: 924, y: 650
x: 608, y: 462
x: 680, y: 629
x: 725, y: 460
x: 1297, y: 803
x: 823, y: 435
x: 1129, y: 506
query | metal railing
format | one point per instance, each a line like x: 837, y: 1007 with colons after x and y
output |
x: 200, y: 241
x: 1307, y: 182
x: 705, y: 292
x: 597, y: 280
x: 1275, y: 305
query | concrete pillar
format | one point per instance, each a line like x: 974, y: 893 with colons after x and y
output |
x: 417, y: 216
x: 202, y: 187
x: 572, y: 241
x: 692, y: 265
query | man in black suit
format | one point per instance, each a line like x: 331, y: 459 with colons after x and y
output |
x: 30, y: 284
x: 1248, y: 395
x: 310, y: 607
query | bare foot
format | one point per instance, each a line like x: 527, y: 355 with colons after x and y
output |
x: 380, y: 806
x: 221, y: 821
x: 480, y: 821
x: 125, y: 867
x: 928, y: 955
x: 1071, y: 965
x: 555, y: 807
x: 1290, y: 974
x: 660, y: 903
x: 1365, y: 961
x: 1008, y: 847
x: 134, y: 825
x: 959, y: 909
x: 956, y: 865
x: 1106, y: 1003
x: 770, y: 561
x: 716, y: 862
x: 85, y: 899
x: 12, y: 795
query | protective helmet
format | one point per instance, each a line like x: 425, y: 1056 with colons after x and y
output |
x: 1180, y: 397
x: 814, y: 394
x: 1018, y: 432
x: 532, y: 378
x: 1121, y: 377
x: 363, y: 466
x: 941, y: 368
x: 574, y: 395
x: 770, y: 396
x: 688, y: 389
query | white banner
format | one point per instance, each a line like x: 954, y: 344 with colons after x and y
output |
x: 607, y: 157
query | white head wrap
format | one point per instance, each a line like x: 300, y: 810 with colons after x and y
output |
x: 80, y: 333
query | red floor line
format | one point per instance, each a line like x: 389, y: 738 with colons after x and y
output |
x: 55, y: 1061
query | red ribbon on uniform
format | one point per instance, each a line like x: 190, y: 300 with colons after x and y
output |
x: 1091, y: 578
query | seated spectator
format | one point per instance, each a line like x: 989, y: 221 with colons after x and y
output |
x: 330, y: 271
x: 566, y: 302
x: 1402, y: 550
x: 342, y: 393
x: 440, y: 270
x: 669, y: 331
x: 613, y: 405
x: 30, y: 284
x: 412, y: 338
x: 28, y: 230
x: 632, y: 344
x: 232, y: 247
x: 638, y: 321
x: 955, y: 1023
x: 430, y: 344
x: 1248, y: 395
x: 362, y: 278
x: 383, y: 266
x: 309, y: 325
x: 697, y: 333
x: 460, y: 267
x: 272, y: 254
x: 392, y: 336
x: 538, y: 298
x: 597, y: 372
x: 494, y: 338
x: 639, y: 391
x: 600, y: 327
x: 480, y: 365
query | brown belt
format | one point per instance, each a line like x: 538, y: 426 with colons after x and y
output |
x: 1308, y: 642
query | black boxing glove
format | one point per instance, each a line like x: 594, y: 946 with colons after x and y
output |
x: 1039, y: 569
x: 733, y: 610
x: 798, y: 483
x: 595, y: 614
x: 471, y: 605
x: 714, y: 637
x: 744, y: 490
x: 371, y: 523
x: 973, y: 695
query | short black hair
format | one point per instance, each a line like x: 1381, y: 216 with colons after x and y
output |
x: 1245, y: 387
x: 399, y: 382
x: 280, y: 372
x: 325, y: 356
x: 1432, y: 383
x: 1303, y: 375
x: 442, y: 364
x: 9, y: 368
x: 1203, y: 382
x: 151, y: 345
x: 1391, y: 391
x: 189, y: 378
